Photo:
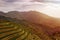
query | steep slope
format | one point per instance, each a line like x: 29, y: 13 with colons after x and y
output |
x: 50, y: 24
x: 42, y: 24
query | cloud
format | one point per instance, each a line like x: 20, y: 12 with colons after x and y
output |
x: 27, y: 0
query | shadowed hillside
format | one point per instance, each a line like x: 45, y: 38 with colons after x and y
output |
x: 42, y: 25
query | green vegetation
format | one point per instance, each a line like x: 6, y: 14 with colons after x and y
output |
x: 10, y: 30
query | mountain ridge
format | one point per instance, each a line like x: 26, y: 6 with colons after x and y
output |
x: 51, y: 24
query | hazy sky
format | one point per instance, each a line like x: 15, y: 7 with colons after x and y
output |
x: 49, y: 7
x: 32, y: 0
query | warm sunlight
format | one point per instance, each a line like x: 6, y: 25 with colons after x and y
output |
x: 51, y: 9
x: 29, y: 19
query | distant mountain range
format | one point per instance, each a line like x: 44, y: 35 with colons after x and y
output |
x: 48, y: 24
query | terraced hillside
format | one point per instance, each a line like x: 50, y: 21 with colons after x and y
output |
x: 28, y: 26
x: 13, y: 31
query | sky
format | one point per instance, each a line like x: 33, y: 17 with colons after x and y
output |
x: 49, y: 7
